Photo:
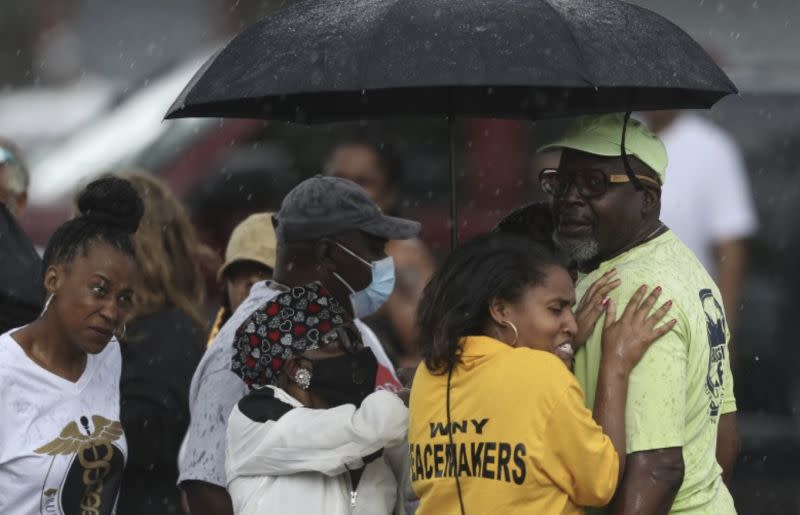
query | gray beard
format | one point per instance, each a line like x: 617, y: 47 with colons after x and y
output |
x: 579, y: 250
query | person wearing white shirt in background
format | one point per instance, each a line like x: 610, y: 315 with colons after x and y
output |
x: 707, y: 201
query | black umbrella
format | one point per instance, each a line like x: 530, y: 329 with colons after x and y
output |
x: 328, y: 60
x: 21, y: 291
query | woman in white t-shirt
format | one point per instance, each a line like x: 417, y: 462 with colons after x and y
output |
x: 62, y: 448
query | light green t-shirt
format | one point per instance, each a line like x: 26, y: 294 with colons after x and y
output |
x: 683, y: 383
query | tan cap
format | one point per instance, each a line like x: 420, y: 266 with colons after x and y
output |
x: 252, y: 240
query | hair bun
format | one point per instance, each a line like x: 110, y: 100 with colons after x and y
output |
x: 112, y: 201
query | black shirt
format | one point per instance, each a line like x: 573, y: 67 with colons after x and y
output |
x: 160, y: 352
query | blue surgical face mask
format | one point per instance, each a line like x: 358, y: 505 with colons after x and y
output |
x: 369, y: 300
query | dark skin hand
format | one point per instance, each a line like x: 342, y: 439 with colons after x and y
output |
x: 728, y: 445
x: 206, y: 499
x: 650, y: 483
x: 310, y: 399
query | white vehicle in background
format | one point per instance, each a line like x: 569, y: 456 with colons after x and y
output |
x: 111, y: 140
x: 208, y: 163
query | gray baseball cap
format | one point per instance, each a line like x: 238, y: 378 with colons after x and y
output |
x: 324, y: 206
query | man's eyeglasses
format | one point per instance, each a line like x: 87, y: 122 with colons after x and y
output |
x: 589, y: 183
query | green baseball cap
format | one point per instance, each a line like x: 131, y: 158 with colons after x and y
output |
x: 602, y: 136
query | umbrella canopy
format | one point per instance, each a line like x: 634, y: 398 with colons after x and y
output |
x: 328, y: 60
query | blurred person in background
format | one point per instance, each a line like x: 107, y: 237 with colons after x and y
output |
x: 534, y: 221
x: 249, y: 258
x: 377, y: 167
x: 707, y: 201
x: 163, y: 343
x: 59, y: 94
x: 14, y: 178
x: 310, y: 435
x: 328, y: 230
x: 21, y: 292
x: 62, y: 446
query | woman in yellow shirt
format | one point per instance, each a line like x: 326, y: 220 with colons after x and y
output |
x: 497, y: 422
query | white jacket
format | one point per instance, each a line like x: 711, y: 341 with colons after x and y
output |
x: 283, y: 458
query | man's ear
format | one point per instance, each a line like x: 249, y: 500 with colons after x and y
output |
x: 651, y: 202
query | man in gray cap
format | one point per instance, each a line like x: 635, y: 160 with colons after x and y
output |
x: 328, y: 231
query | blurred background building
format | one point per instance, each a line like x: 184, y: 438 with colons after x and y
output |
x: 85, y: 84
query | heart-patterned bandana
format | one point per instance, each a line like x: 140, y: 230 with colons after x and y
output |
x: 284, y: 327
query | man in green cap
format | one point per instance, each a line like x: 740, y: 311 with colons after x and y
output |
x: 681, y: 412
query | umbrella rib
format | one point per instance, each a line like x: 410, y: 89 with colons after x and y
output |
x: 574, y: 42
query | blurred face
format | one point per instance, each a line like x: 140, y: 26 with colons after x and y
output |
x: 591, y: 228
x: 92, y: 295
x: 660, y: 120
x: 543, y: 315
x: 240, y: 277
x: 360, y: 164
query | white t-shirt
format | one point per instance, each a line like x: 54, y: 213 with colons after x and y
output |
x: 706, y: 196
x: 62, y: 447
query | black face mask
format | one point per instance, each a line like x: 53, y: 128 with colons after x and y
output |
x: 346, y: 379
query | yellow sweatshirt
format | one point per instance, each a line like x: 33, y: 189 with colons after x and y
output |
x: 524, y: 442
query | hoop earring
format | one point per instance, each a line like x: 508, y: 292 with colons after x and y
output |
x: 46, y: 304
x: 302, y: 378
x: 508, y: 323
x: 124, y: 331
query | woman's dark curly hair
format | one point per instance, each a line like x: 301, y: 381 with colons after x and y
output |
x: 456, y: 301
